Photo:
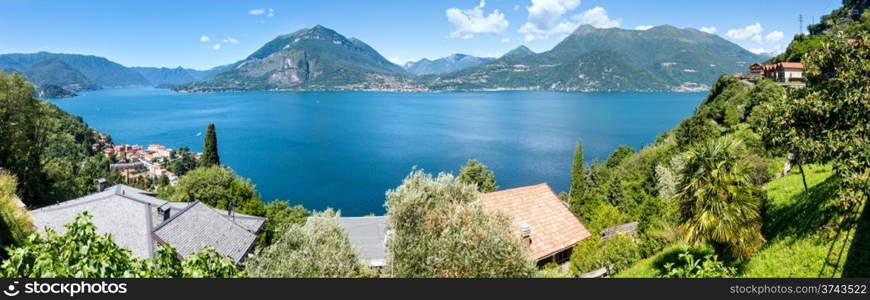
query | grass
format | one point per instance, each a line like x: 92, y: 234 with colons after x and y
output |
x: 800, y: 228
x: 654, y: 266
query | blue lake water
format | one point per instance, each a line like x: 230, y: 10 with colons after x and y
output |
x: 346, y: 149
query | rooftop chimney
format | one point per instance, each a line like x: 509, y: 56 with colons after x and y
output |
x: 526, y: 233
x: 101, y: 185
x: 164, y: 211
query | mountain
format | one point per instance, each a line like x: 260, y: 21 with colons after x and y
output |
x: 98, y: 70
x: 593, y: 59
x: 315, y: 58
x: 521, y: 51
x: 165, y: 76
x: 448, y: 64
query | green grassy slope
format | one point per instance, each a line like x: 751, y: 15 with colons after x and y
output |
x: 799, y: 235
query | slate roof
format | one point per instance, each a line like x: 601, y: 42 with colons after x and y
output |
x: 553, y: 227
x: 368, y: 235
x: 199, y: 225
x: 133, y: 219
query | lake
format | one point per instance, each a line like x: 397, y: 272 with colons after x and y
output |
x: 346, y: 149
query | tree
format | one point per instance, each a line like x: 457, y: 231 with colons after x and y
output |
x: 578, y: 179
x: 440, y: 229
x: 319, y: 248
x: 82, y: 253
x: 718, y: 201
x: 15, y: 221
x: 21, y: 146
x: 476, y: 173
x: 219, y: 188
x: 829, y: 118
x: 210, y: 155
x: 278, y: 214
x: 182, y: 162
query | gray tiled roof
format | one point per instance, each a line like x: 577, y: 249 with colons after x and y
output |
x: 368, y: 234
x: 200, y: 225
x: 131, y: 215
x: 127, y: 221
x: 250, y: 223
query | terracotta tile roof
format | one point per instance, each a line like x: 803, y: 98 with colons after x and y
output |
x: 792, y: 65
x: 553, y: 227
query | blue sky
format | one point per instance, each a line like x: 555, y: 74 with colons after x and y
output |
x: 204, y: 34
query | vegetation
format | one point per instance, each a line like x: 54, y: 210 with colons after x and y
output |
x: 210, y: 155
x: 477, y: 174
x: 440, y: 229
x: 718, y: 201
x: 319, y: 249
x: 616, y: 254
x: 82, y: 253
x: 15, y: 221
x: 690, y: 267
x: 47, y: 149
x: 219, y: 188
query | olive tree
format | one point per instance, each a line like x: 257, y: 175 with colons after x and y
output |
x: 319, y: 248
x: 439, y: 228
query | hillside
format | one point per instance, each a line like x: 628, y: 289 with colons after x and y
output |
x: 160, y: 77
x: 98, y: 70
x: 592, y: 59
x: 48, y: 149
x: 443, y: 65
x: 314, y: 59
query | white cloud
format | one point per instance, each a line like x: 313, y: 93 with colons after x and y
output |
x: 204, y: 38
x: 230, y: 40
x: 597, y: 17
x: 643, y: 27
x: 505, y: 40
x: 747, y: 32
x: 774, y: 37
x: 757, y: 38
x: 546, y: 19
x: 257, y: 12
x: 395, y: 60
x: 708, y: 29
x: 216, y: 47
x: 516, y: 7
x: 271, y: 13
x: 468, y: 22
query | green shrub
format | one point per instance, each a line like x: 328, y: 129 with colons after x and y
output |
x: 319, y: 248
x: 476, y: 173
x: 617, y: 253
x: 15, y: 221
x: 82, y: 253
x: 587, y: 256
x: 689, y: 267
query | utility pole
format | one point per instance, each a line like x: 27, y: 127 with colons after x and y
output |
x: 801, y: 21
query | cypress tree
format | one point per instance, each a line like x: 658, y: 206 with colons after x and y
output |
x: 578, y: 175
x: 210, y: 155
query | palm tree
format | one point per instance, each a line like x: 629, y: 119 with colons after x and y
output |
x: 718, y: 201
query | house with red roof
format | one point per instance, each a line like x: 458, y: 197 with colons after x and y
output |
x: 542, y: 219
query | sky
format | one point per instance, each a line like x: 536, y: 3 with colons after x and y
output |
x: 204, y: 34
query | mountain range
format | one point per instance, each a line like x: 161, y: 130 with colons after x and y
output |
x: 443, y: 65
x: 59, y: 75
x: 591, y: 59
x: 663, y: 58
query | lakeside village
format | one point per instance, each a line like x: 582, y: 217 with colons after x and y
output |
x: 137, y: 165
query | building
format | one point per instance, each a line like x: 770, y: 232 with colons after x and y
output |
x: 784, y: 72
x: 140, y: 222
x: 542, y: 219
x: 369, y: 236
